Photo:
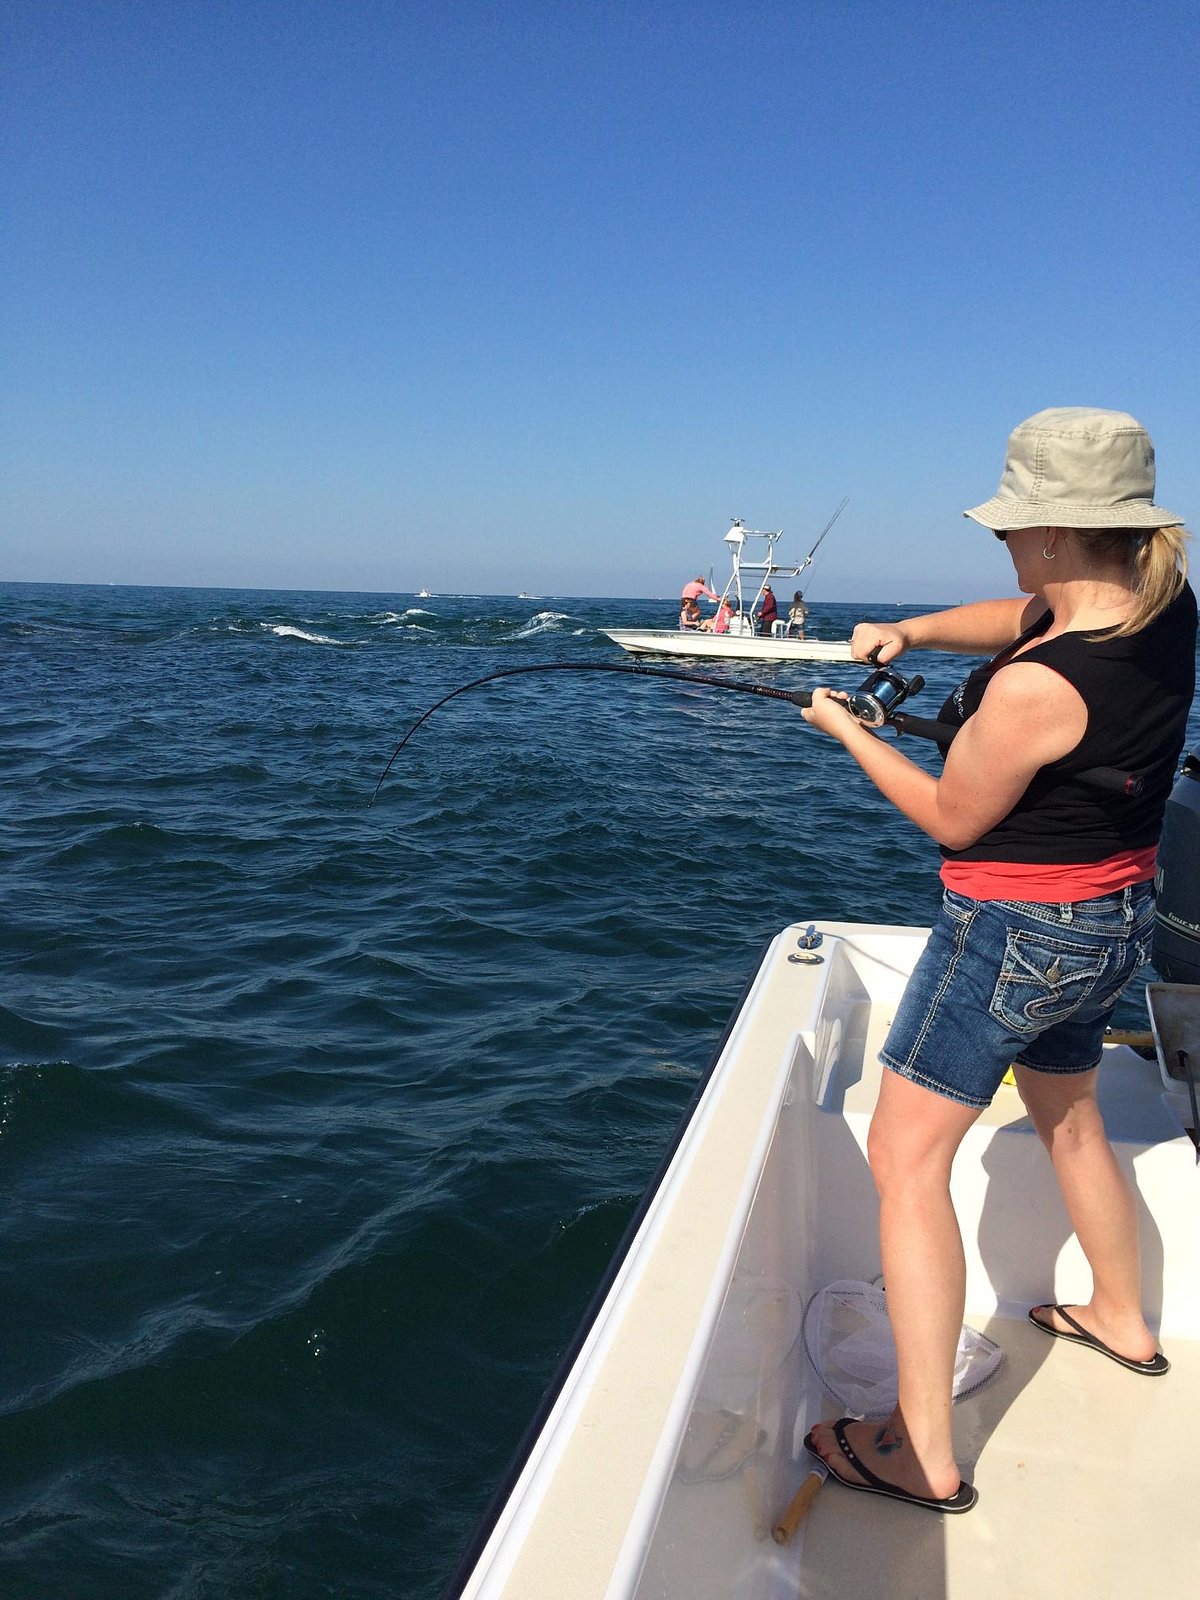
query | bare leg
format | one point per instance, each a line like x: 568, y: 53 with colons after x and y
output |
x: 1099, y: 1203
x: 914, y: 1136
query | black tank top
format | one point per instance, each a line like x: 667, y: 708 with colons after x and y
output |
x: 1138, y: 692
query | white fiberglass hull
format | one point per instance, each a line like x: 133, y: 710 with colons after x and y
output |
x: 673, y: 1439
x: 727, y: 646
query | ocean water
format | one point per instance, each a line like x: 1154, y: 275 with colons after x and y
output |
x: 319, y: 1121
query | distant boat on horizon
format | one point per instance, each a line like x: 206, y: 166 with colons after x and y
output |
x: 424, y: 594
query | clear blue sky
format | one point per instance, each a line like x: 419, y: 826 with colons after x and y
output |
x: 361, y: 295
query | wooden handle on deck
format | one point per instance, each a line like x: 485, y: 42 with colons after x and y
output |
x: 798, y: 1508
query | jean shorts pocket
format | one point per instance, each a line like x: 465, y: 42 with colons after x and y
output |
x: 1131, y: 959
x: 1044, y: 980
x: 958, y: 908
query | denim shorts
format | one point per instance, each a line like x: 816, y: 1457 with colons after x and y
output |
x: 1004, y: 981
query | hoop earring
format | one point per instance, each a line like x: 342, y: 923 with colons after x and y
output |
x: 1048, y: 555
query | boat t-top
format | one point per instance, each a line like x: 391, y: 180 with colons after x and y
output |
x: 752, y: 551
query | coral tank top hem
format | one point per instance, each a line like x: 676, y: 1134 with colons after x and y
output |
x: 1052, y: 883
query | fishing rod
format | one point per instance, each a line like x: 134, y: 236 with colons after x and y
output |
x: 807, y: 562
x: 875, y: 703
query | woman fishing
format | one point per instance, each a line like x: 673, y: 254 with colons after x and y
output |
x: 1047, y: 908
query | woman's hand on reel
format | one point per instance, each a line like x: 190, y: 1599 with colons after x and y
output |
x: 830, y: 712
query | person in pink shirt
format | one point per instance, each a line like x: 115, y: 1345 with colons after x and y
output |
x: 698, y: 587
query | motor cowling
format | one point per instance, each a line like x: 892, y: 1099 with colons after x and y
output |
x: 1176, y: 951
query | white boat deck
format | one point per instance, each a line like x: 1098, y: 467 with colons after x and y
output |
x: 1086, y: 1488
x: 675, y: 1444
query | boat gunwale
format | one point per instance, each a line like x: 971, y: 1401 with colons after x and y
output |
x: 729, y: 647
x: 492, y: 1512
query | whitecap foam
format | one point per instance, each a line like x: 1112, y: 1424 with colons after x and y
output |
x: 283, y: 630
x: 540, y: 621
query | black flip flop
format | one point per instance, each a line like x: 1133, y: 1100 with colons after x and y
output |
x: 1154, y: 1367
x: 963, y: 1498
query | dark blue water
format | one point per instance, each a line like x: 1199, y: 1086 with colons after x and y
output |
x: 319, y: 1123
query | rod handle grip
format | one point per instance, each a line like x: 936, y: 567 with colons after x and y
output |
x: 1114, y: 780
x: 797, y: 1508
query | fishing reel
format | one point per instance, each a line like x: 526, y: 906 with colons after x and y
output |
x: 876, y: 700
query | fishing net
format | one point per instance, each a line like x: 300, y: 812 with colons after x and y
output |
x: 849, y: 1341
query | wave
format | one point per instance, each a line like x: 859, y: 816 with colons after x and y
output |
x: 255, y: 627
x: 391, y: 625
x: 284, y: 630
x: 541, y: 622
x: 383, y: 619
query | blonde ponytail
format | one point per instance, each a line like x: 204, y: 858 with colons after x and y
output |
x: 1160, y: 564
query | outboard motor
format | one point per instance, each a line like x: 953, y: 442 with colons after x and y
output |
x: 1176, y: 952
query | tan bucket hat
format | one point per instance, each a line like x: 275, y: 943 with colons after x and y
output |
x: 1076, y: 467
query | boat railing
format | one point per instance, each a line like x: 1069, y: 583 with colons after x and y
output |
x: 784, y: 569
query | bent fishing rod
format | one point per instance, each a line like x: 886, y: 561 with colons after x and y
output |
x: 875, y: 703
